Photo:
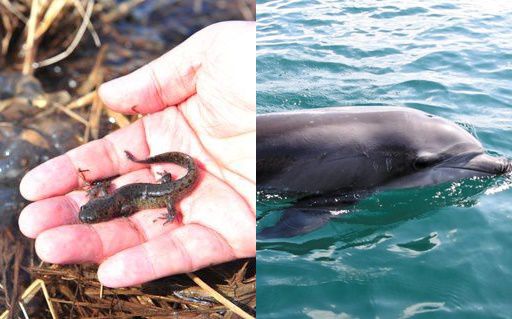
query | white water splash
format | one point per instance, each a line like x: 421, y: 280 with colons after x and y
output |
x: 339, y: 212
x: 499, y: 188
x: 326, y: 314
x: 423, y: 307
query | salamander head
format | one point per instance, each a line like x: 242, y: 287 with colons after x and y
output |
x: 97, y: 210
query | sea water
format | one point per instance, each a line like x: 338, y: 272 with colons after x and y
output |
x: 438, y: 252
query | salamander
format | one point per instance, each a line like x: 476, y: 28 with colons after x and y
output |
x: 131, y: 198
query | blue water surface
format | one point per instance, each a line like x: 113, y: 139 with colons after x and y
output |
x: 441, y: 252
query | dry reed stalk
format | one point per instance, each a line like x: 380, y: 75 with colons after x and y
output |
x: 220, y: 298
x: 9, y: 31
x: 80, y: 8
x: 51, y: 14
x: 120, y: 119
x: 95, y: 116
x: 29, y: 293
x: 82, y: 101
x: 73, y: 115
x: 120, y: 11
x: 96, y: 75
x: 30, y: 49
x: 96, y: 78
x: 8, y: 5
x: 78, y: 103
x: 76, y: 40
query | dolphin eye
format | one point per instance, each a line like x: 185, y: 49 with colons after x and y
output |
x: 423, y: 162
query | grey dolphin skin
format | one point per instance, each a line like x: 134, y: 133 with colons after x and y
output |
x: 331, y: 157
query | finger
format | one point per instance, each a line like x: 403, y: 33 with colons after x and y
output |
x: 166, y: 81
x: 185, y: 249
x: 59, y: 245
x: 101, y: 158
x: 219, y: 207
x: 98, y: 241
x: 46, y: 214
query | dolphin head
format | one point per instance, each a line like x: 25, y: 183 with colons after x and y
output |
x: 441, y: 151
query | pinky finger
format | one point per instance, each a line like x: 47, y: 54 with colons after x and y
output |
x: 185, y: 249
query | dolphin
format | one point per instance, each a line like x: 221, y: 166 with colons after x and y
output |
x: 330, y: 158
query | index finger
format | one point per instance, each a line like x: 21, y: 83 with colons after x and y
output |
x: 100, y: 158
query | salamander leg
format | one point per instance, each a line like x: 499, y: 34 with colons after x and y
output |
x: 98, y: 188
x: 171, y: 212
x: 82, y: 176
x: 170, y: 215
x: 166, y: 177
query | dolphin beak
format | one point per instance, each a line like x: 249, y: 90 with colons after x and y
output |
x: 486, y: 164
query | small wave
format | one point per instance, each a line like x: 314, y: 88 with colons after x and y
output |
x: 456, y: 31
x: 417, y: 246
x: 423, y: 86
x: 356, y: 10
x: 399, y: 13
x: 352, y: 52
x: 443, y: 6
x: 437, y: 61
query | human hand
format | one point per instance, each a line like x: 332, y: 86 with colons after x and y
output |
x: 201, y: 100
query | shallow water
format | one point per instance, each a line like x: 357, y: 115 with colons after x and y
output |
x: 442, y: 252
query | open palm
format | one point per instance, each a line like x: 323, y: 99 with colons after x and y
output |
x: 200, y: 98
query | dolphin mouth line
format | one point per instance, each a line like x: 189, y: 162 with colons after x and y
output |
x: 501, y: 171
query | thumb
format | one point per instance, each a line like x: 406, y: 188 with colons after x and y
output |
x: 168, y: 80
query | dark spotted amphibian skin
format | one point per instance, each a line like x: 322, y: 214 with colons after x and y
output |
x: 134, y: 197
